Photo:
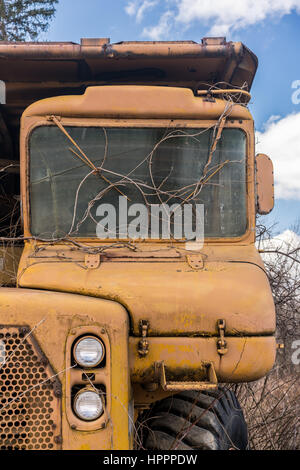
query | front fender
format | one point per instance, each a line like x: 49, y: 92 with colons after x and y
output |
x: 47, y: 323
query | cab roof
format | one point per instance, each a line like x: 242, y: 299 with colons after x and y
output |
x: 34, y: 71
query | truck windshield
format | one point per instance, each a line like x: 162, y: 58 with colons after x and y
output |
x: 74, y: 172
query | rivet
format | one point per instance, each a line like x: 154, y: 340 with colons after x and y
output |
x: 58, y: 439
x: 57, y: 392
x: 150, y: 387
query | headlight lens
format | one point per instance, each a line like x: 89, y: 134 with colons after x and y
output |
x: 88, y: 405
x: 88, y: 351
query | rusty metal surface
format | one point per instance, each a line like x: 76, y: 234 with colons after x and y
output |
x: 238, y: 94
x: 30, y: 394
x: 58, y: 319
x: 209, y: 382
x: 175, y: 298
x: 129, y: 61
x: 264, y: 184
x: 135, y: 102
x: 170, y: 303
x: 222, y: 343
x: 92, y: 261
x: 248, y: 358
x: 195, y: 261
x: 143, y: 346
x: 33, y: 71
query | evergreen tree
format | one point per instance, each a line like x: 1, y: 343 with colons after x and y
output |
x: 21, y: 20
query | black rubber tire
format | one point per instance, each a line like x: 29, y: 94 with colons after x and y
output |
x: 190, y: 420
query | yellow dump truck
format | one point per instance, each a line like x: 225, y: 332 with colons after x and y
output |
x: 138, y: 287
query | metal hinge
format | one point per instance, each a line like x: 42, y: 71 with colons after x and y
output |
x: 195, y: 261
x: 92, y: 261
x: 143, y: 344
x: 221, y: 343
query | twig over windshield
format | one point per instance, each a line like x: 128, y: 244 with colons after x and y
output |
x: 84, y: 158
x: 152, y: 165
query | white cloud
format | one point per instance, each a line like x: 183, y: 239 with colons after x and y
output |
x: 138, y: 8
x: 220, y: 16
x: 281, y: 141
x: 230, y: 15
x: 161, y: 29
x: 131, y: 8
x: 273, y: 118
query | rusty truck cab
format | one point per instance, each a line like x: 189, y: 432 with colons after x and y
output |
x: 168, y: 314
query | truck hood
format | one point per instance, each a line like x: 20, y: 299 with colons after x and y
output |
x: 178, y: 292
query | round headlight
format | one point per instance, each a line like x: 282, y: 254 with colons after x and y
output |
x: 88, y: 351
x: 88, y: 405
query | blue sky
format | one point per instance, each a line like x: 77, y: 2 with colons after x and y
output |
x: 271, y: 28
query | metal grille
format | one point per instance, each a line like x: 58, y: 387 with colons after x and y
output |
x: 29, y: 394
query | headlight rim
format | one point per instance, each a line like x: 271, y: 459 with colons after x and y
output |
x: 81, y: 364
x: 78, y: 394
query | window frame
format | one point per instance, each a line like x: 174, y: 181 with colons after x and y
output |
x: 245, y: 125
